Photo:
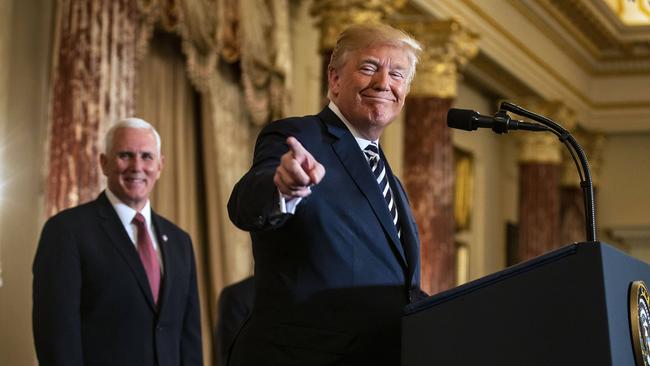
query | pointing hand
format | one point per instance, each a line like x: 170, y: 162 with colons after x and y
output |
x: 298, y: 170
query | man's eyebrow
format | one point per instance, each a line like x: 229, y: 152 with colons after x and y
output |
x: 134, y: 151
x: 374, y: 61
x: 370, y: 60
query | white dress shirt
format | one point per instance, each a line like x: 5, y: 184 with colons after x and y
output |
x: 127, y: 214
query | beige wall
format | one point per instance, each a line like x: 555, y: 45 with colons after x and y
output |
x: 486, y: 236
x: 5, y: 29
x: 624, y: 191
x: 23, y: 135
x: 623, y: 196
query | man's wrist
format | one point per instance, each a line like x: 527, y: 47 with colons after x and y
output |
x: 286, y: 204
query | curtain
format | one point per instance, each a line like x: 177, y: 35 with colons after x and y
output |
x: 227, y: 151
x: 167, y: 100
x: 206, y: 150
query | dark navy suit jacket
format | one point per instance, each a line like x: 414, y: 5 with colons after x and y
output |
x: 92, y: 301
x: 331, y: 280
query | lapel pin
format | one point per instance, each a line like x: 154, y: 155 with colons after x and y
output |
x: 164, y: 237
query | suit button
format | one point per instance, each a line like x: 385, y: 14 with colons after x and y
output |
x: 159, y: 328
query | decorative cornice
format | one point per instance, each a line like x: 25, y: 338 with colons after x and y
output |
x: 336, y: 15
x: 528, y: 65
x: 548, y: 67
x: 448, y: 46
x: 613, y: 48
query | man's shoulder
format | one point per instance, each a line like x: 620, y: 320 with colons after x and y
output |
x: 81, y: 212
x: 295, y: 124
x: 307, y: 129
x: 79, y: 219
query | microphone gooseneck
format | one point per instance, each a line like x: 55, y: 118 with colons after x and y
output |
x: 469, y: 120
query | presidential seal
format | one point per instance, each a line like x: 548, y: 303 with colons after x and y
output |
x: 640, y: 322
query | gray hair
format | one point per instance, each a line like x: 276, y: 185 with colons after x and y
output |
x: 360, y: 36
x: 130, y: 122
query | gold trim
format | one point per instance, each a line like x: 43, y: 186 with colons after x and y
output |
x: 463, y: 188
x: 637, y: 289
x: 536, y: 148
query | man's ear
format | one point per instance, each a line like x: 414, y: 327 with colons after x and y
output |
x: 162, y: 165
x: 103, y: 162
x: 333, y: 81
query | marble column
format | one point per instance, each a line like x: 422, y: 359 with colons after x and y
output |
x: 336, y: 15
x: 539, y: 183
x: 572, y: 199
x: 428, y: 154
x: 93, y: 85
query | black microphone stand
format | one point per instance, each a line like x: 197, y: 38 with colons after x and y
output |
x: 566, y: 137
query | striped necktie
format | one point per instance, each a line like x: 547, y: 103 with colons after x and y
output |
x: 379, y: 170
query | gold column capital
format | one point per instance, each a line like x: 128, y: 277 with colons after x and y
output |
x: 539, y: 148
x: 544, y: 147
x: 593, y: 143
x: 336, y: 15
x: 448, y: 46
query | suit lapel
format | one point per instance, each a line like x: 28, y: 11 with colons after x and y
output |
x: 164, y: 238
x: 351, y: 157
x: 120, y: 239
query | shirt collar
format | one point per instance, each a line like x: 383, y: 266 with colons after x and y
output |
x: 363, y: 143
x: 125, y: 212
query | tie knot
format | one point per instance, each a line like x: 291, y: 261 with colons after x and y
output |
x: 138, y: 219
x: 371, y: 150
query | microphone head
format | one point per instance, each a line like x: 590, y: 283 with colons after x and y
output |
x: 463, y: 119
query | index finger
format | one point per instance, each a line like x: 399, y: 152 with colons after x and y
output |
x: 295, y: 146
x: 299, y: 152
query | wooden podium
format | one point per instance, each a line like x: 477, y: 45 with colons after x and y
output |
x: 567, y: 307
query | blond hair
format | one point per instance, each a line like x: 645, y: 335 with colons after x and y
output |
x: 361, y: 36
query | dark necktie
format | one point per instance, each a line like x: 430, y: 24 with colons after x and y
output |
x: 148, y: 255
x: 379, y: 170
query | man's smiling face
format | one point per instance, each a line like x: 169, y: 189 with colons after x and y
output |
x: 132, y: 165
x: 369, y: 89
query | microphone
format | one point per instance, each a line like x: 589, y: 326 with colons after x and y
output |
x: 469, y: 120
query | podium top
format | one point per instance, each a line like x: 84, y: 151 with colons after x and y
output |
x: 568, y: 250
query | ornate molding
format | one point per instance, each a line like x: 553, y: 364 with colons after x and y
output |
x: 336, y: 15
x: 613, y: 47
x: 448, y: 46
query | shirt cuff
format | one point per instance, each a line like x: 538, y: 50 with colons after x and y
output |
x: 288, y: 205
